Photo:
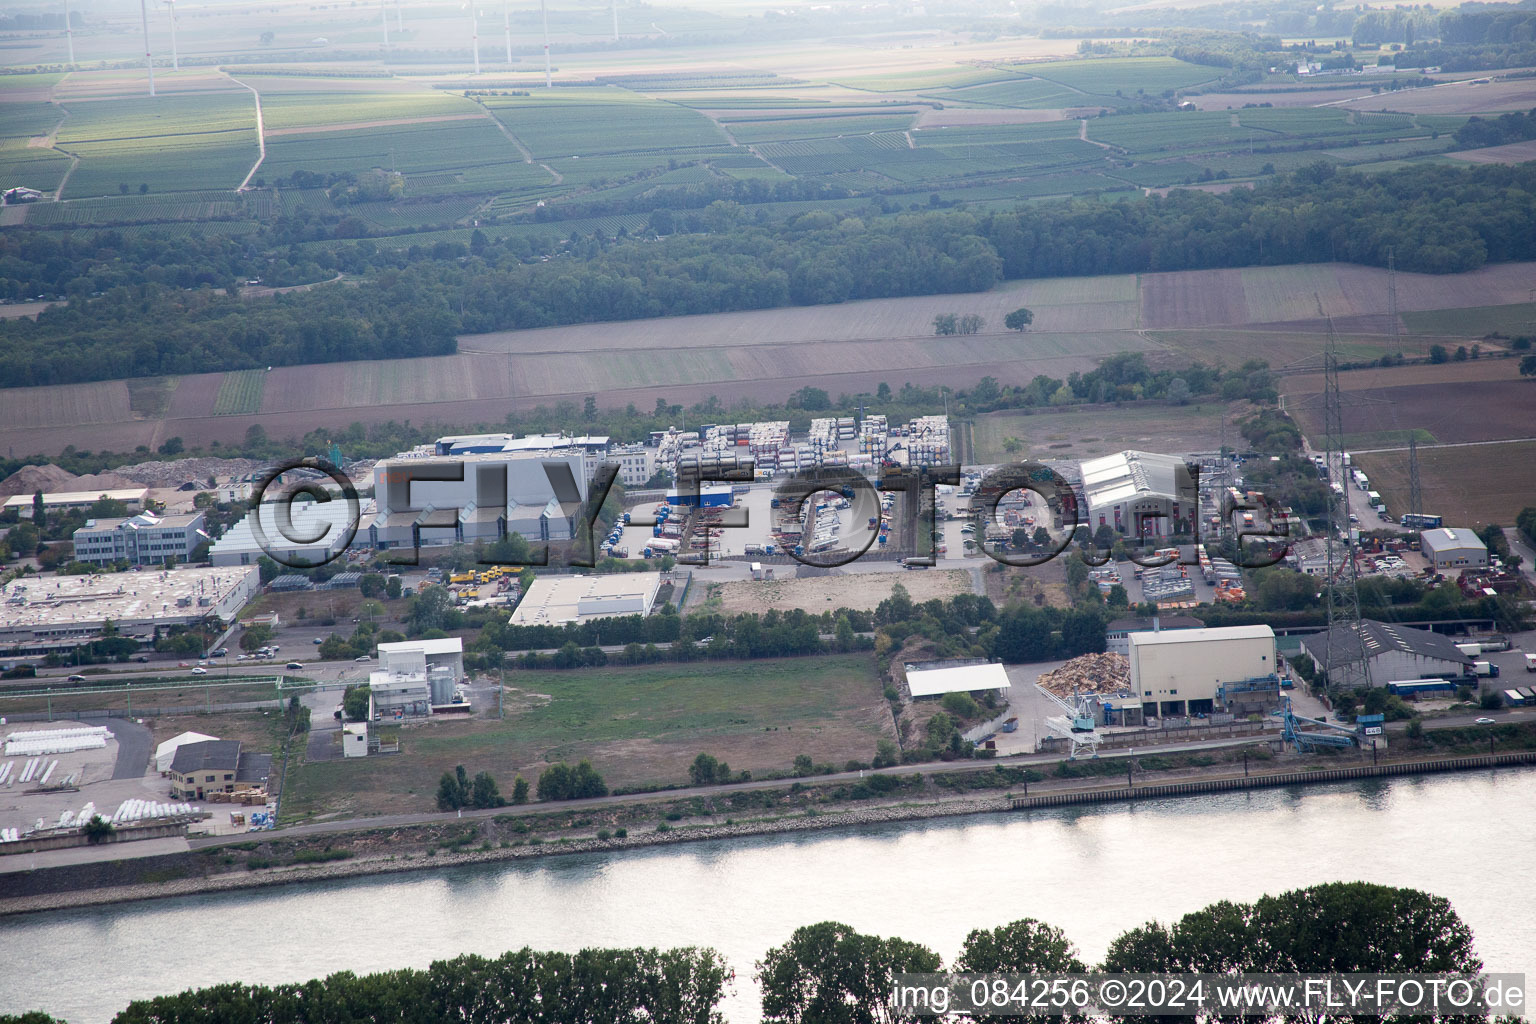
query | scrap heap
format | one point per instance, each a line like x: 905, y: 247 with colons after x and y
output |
x: 1089, y: 673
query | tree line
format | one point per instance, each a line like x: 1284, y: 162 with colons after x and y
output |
x: 829, y: 972
x: 417, y: 301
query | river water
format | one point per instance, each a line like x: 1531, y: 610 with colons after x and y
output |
x: 1093, y: 871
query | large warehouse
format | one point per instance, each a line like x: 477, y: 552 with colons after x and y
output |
x: 1453, y: 548
x: 313, y: 533
x: 425, y: 500
x: 1187, y: 671
x: 1141, y: 492
x: 936, y: 678
x: 556, y: 600
x: 39, y: 614
x: 1394, y: 652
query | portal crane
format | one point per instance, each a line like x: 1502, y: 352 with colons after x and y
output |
x: 1076, y: 724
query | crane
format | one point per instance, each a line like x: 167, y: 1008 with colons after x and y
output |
x: 1339, y: 736
x: 1075, y: 724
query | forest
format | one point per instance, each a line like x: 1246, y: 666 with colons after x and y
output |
x: 172, y: 317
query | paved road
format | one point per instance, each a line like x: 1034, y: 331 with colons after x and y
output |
x: 134, y: 746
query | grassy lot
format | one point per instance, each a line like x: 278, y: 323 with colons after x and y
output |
x: 166, y: 693
x: 1469, y: 485
x: 638, y: 726
x: 1476, y: 322
x: 1083, y: 433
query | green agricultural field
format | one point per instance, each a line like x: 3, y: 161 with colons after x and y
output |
x: 186, y: 206
x: 24, y: 120
x: 637, y: 725
x: 1182, y: 132
x: 240, y: 393
x: 1111, y: 76
x: 599, y: 122
x: 821, y: 126
x: 930, y: 78
x: 284, y: 109
x: 34, y: 167
x: 173, y: 143
x: 171, y: 164
x: 143, y: 118
x: 14, y: 83
x: 443, y: 153
x: 1475, y: 322
x: 997, y: 134
x: 1017, y: 91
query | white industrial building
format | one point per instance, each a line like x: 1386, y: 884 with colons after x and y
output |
x: 637, y: 463
x: 1453, y: 547
x: 1393, y: 652
x: 133, y: 498
x: 415, y: 675
x: 39, y: 614
x: 423, y: 499
x: 936, y: 678
x: 295, y: 534
x: 556, y: 600
x: 1118, y: 631
x: 1139, y: 492
x: 144, y: 539
x: 1186, y: 671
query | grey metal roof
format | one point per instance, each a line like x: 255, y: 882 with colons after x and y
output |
x: 207, y: 756
x: 254, y: 768
x: 1343, y: 646
x: 1451, y: 538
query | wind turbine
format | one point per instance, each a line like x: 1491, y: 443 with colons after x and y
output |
x: 474, y: 34
x: 506, y: 24
x: 614, y: 6
x: 69, y: 34
x: 384, y: 19
x: 175, y: 60
x: 149, y: 61
x: 399, y: 17
x: 549, y: 80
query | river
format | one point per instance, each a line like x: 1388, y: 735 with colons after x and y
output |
x: 1093, y: 871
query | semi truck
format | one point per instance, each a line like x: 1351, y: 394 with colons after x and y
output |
x: 1486, y: 669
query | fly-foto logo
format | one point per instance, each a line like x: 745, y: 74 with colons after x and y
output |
x: 1260, y: 541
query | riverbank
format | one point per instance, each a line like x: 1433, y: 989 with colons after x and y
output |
x: 87, y: 885
x: 418, y: 861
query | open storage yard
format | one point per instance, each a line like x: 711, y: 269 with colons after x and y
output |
x: 636, y: 724
x: 836, y: 590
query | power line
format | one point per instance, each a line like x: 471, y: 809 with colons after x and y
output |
x: 1348, y: 665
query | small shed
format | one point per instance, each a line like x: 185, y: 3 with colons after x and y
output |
x: 354, y: 739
